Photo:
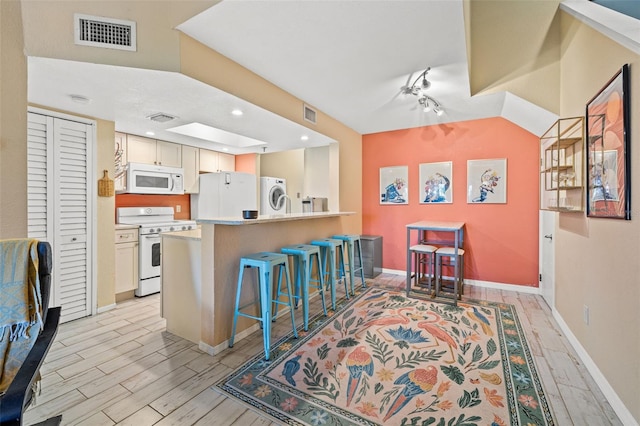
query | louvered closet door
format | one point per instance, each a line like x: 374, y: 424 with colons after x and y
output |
x: 62, y: 217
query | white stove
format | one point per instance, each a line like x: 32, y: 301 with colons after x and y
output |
x: 152, y: 221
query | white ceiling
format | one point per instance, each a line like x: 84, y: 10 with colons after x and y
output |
x: 349, y: 59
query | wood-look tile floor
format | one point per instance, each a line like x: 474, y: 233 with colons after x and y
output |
x: 122, y: 367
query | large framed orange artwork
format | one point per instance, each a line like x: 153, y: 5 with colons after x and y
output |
x: 608, y: 144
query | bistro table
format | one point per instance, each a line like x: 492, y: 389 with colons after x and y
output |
x: 436, y: 226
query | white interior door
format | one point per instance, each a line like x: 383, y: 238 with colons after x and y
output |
x: 59, y: 206
x: 547, y: 256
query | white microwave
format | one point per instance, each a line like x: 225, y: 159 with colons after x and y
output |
x: 142, y: 178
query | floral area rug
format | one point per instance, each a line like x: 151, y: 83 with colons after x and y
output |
x: 383, y: 358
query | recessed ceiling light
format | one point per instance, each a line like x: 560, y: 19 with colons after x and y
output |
x: 304, y: 138
x: 236, y: 112
x: 80, y: 99
x: 150, y: 133
x: 225, y: 149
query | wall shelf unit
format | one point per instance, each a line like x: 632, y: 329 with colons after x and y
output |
x: 562, y: 166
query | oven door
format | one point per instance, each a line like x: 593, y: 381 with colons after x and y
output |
x: 150, y: 252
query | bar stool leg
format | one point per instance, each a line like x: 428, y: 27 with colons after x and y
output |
x: 288, y: 278
x: 237, y: 306
x: 350, y: 257
x: 364, y: 284
x: 340, y: 256
x: 321, y: 289
x: 304, y: 283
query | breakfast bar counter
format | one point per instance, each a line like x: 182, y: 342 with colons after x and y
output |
x: 225, y: 240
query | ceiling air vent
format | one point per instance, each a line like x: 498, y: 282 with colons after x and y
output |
x: 161, y: 117
x: 97, y: 31
x: 309, y: 114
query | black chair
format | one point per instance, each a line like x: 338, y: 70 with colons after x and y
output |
x: 20, y: 392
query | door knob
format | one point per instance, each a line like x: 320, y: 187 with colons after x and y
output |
x: 549, y: 236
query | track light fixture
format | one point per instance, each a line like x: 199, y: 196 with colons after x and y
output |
x: 418, y: 88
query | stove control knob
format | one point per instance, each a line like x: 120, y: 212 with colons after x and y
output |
x: 171, y: 228
x: 158, y: 230
x: 188, y: 226
x: 184, y: 228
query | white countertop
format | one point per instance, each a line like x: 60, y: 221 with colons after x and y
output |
x: 236, y: 220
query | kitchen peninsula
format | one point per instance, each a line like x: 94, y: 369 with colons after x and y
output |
x: 223, y: 241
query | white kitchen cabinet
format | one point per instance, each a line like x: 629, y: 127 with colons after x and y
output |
x: 152, y: 151
x: 191, y: 166
x: 126, y: 260
x: 226, y: 162
x: 208, y: 161
x: 141, y: 150
x: 213, y: 162
x: 169, y: 154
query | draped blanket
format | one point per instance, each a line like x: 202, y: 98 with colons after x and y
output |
x: 20, y: 305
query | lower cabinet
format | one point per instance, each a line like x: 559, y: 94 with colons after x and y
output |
x: 126, y: 260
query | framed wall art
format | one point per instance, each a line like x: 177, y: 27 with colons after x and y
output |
x: 608, y: 161
x: 436, y: 182
x: 487, y: 181
x: 393, y: 185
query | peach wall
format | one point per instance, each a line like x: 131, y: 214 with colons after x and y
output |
x: 138, y: 200
x: 501, y: 240
x: 246, y: 163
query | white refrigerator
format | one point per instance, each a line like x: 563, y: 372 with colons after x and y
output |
x: 224, y: 194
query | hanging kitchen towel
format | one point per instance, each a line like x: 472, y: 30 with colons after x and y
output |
x: 20, y: 305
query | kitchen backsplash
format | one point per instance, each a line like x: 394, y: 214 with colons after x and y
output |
x: 178, y: 202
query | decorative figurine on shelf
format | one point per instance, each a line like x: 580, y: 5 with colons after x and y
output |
x: 435, y: 188
x: 489, y: 180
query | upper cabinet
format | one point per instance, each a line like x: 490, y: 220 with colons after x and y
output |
x: 561, y: 166
x: 138, y: 149
x: 152, y: 151
x: 191, y: 166
x: 213, y: 161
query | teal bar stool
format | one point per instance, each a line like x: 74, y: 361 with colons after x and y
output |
x: 331, y: 252
x: 303, y: 255
x: 265, y: 263
x: 351, y: 241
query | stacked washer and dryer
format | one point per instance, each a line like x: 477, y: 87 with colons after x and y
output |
x: 273, y: 193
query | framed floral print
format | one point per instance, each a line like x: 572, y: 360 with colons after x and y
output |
x: 436, y: 182
x: 393, y: 185
x: 487, y: 181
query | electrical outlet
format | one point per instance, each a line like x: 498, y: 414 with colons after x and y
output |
x: 178, y: 208
x: 585, y: 314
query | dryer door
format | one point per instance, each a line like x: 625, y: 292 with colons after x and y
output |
x: 274, y: 196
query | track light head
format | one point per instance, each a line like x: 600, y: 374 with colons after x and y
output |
x: 418, y: 88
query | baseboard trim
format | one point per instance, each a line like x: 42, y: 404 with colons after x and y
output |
x: 484, y: 284
x: 503, y: 286
x: 105, y: 308
x: 609, y: 393
x: 214, y: 350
